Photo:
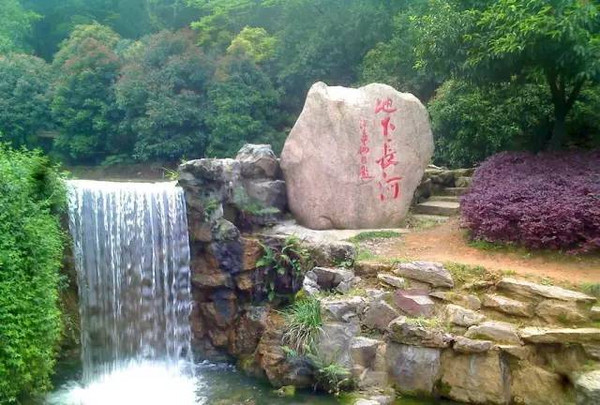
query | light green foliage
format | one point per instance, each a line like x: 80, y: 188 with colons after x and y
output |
x: 591, y: 289
x: 31, y: 246
x: 464, y: 273
x: 370, y: 235
x: 331, y: 376
x: 162, y: 91
x: 15, y: 25
x: 254, y: 42
x: 243, y: 108
x: 24, y: 99
x: 291, y: 259
x: 83, y: 101
x: 303, y: 325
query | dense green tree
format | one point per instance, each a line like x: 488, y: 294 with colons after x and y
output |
x: 31, y: 246
x: 129, y: 18
x: 473, y: 122
x: 558, y: 40
x: 163, y: 93
x: 24, y: 99
x: 83, y: 102
x: 15, y: 25
x: 394, y: 62
x: 243, y: 108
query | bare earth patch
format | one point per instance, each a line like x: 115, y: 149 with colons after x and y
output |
x: 447, y: 243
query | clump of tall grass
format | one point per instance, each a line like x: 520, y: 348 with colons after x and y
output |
x: 303, y: 324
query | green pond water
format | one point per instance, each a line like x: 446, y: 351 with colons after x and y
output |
x: 216, y: 384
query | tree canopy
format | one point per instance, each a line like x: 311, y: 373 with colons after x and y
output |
x: 162, y: 79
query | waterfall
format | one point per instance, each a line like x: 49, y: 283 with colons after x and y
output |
x: 132, y: 257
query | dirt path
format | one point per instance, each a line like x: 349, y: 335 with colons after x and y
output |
x: 446, y: 243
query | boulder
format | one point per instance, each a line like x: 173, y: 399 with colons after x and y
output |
x: 553, y: 311
x: 334, y: 342
x: 587, y: 388
x: 393, y: 281
x: 414, y: 303
x: 466, y: 345
x: 560, y: 335
x: 409, y: 333
x: 363, y: 351
x: 266, y: 194
x: 345, y: 309
x: 475, y: 378
x: 369, y: 269
x: 258, y: 162
x: 355, y: 157
x: 529, y: 289
x: 493, y: 330
x: 535, y: 386
x: 595, y: 313
x: 463, y: 317
x: 413, y: 370
x: 469, y: 301
x: 378, y: 315
x: 426, y: 272
x: 331, y: 278
x: 507, y: 305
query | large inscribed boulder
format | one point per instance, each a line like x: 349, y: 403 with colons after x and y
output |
x: 355, y: 157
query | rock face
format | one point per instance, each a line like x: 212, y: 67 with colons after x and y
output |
x: 477, y: 378
x: 529, y: 289
x: 414, y: 370
x: 426, y: 272
x: 355, y: 156
x: 587, y: 387
x: 494, y: 330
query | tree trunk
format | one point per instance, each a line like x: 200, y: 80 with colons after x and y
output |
x: 559, y: 130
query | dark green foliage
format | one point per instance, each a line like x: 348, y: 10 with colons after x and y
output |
x: 15, y: 25
x: 163, y: 93
x: 471, y: 123
x: 24, y: 100
x: 83, y: 101
x: 31, y: 246
x: 243, y: 108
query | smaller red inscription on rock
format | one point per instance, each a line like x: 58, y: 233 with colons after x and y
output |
x: 363, y: 151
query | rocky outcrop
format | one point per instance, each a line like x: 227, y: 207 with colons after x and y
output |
x: 426, y: 272
x: 587, y: 387
x: 355, y: 157
x: 529, y: 289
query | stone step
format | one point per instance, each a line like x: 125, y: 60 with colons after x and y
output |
x: 430, y: 218
x: 456, y: 191
x: 446, y: 208
x: 452, y: 198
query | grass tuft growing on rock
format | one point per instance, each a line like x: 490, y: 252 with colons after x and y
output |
x: 370, y: 235
x: 303, y: 320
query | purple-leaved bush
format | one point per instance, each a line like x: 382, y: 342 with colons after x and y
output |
x: 549, y: 201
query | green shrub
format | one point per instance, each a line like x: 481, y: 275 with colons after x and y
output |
x: 31, y: 247
x: 471, y: 123
x: 303, y: 324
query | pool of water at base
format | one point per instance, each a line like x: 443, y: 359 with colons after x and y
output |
x: 213, y: 384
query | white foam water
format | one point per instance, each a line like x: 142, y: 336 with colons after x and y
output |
x: 132, y: 256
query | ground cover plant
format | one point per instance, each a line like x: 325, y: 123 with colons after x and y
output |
x: 548, y: 201
x: 31, y: 246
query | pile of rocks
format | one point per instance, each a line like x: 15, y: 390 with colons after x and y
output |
x: 417, y: 332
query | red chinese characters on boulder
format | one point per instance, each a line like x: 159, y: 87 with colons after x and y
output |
x: 389, y: 184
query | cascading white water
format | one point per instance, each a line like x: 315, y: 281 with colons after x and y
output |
x: 132, y: 257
